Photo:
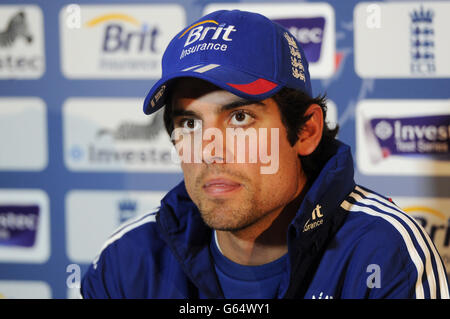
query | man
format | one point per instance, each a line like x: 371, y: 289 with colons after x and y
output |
x: 289, y: 225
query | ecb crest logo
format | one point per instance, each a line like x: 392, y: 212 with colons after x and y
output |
x: 422, y: 42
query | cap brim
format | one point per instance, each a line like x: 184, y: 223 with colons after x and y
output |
x: 238, y: 82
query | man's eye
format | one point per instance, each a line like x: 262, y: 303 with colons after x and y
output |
x: 191, y: 124
x: 241, y: 118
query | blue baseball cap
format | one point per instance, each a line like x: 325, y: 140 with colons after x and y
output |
x: 241, y: 52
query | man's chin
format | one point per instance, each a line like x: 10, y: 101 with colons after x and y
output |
x: 224, y: 221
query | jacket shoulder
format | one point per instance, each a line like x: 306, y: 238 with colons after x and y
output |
x: 390, y: 241
x: 133, y: 248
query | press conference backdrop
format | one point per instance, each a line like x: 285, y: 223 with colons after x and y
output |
x: 78, y: 157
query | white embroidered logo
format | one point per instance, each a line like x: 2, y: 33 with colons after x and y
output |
x: 316, y: 214
x: 298, y: 71
x: 321, y: 296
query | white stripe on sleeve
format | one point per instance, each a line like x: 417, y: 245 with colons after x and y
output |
x: 125, y: 229
x: 391, y: 208
x: 407, y: 239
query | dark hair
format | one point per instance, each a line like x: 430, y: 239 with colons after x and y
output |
x: 293, y: 105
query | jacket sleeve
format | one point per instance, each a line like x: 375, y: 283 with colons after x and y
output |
x: 99, y: 281
x: 398, y: 262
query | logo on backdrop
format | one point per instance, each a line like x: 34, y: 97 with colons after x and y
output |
x: 422, y: 41
x: 122, y: 33
x: 135, y: 131
x: 24, y: 226
x: 309, y: 32
x: 18, y: 225
x: 437, y: 225
x: 403, y: 137
x: 413, y: 136
x: 122, y: 141
x: 16, y: 28
x: 410, y: 41
x: 106, y: 213
x: 117, y: 41
x: 127, y: 209
x: 21, y: 42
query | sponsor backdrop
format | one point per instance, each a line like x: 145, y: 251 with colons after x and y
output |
x: 78, y: 158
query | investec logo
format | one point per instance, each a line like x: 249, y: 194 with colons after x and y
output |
x: 404, y: 137
x: 21, y: 42
x: 24, y: 226
x: 121, y: 141
x: 427, y: 135
x: 210, y: 34
x: 18, y: 225
x: 309, y: 32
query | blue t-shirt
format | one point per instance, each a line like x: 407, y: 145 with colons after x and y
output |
x: 249, y: 282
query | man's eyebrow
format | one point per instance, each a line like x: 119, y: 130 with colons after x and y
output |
x: 240, y: 103
x: 176, y: 112
x: 180, y: 112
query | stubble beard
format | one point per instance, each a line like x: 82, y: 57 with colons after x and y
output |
x: 225, y: 215
x: 232, y: 213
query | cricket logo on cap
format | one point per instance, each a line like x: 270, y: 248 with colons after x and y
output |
x: 213, y: 37
x: 298, y: 70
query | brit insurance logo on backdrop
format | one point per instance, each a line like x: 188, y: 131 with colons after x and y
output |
x: 106, y: 212
x: 21, y: 42
x: 434, y: 216
x: 313, y: 24
x: 403, y: 137
x: 109, y: 41
x: 402, y: 40
x: 20, y: 150
x: 104, y: 134
x: 24, y: 226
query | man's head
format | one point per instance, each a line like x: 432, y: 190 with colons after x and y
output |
x: 232, y: 195
x: 235, y: 70
x: 241, y: 52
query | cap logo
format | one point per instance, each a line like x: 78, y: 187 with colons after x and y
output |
x: 197, y: 24
x: 157, y: 96
x: 199, y: 32
x: 298, y: 71
x: 210, y: 38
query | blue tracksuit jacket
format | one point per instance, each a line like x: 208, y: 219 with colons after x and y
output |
x: 345, y: 242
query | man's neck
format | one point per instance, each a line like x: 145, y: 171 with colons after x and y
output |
x: 262, y: 242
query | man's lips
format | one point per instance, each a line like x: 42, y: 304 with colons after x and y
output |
x: 220, y: 186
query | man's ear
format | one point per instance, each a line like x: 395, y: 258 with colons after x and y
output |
x: 310, y: 135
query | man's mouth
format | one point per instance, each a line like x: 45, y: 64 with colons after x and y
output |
x: 220, y: 186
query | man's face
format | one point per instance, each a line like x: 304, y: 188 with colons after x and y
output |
x: 233, y: 195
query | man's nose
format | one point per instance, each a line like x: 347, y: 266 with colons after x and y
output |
x: 214, y: 146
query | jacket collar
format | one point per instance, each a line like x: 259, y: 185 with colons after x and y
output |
x: 316, y: 221
x: 188, y: 237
